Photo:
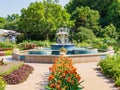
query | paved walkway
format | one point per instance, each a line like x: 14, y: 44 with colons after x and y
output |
x: 93, y: 79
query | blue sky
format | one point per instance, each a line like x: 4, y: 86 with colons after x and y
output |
x: 8, y: 7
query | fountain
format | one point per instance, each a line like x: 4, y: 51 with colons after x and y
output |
x: 62, y: 41
x: 44, y: 55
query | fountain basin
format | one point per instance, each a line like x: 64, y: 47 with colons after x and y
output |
x: 40, y: 52
x: 85, y: 51
x: 76, y: 58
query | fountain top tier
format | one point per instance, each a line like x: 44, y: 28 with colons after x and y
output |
x: 62, y: 40
x: 62, y: 36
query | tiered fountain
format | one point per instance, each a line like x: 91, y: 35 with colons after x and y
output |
x: 62, y: 41
x: 48, y: 55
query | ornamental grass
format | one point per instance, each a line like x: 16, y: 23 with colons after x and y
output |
x: 63, y: 75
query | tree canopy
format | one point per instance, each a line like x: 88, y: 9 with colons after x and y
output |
x: 85, y: 17
x: 109, y: 14
x: 41, y: 20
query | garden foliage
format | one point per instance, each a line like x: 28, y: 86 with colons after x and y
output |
x: 2, y: 84
x: 63, y: 75
x: 6, y: 46
x: 111, y: 68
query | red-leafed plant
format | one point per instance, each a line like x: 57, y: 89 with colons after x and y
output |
x: 19, y: 75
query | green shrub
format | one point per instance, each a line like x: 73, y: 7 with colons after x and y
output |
x: 84, y: 34
x: 26, y: 45
x: 111, y: 68
x: 9, y: 52
x: 6, y: 45
x: 2, y: 84
x: 117, y: 82
x: 83, y: 44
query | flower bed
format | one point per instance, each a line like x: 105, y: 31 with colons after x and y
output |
x: 63, y: 75
x: 111, y: 68
x: 19, y: 75
x: 14, y: 72
x: 2, y: 53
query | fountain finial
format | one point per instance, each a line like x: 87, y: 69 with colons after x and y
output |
x: 62, y: 36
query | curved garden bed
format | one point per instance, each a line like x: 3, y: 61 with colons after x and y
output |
x: 14, y: 73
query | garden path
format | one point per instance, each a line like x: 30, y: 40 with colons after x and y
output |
x: 93, y: 79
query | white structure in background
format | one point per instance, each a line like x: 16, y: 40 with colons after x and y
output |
x: 8, y: 35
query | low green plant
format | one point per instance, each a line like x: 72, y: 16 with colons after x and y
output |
x: 83, y: 44
x: 117, y: 82
x: 6, y: 45
x: 111, y: 68
x: 63, y: 49
x: 9, y: 52
x: 2, y: 84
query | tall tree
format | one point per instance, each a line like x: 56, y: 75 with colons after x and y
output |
x: 40, y: 20
x: 84, y: 34
x: 101, y: 5
x: 109, y: 11
x: 12, y: 22
x: 2, y: 22
x: 85, y: 17
x: 12, y: 17
x: 113, y: 14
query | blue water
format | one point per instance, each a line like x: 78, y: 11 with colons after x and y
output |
x: 50, y: 51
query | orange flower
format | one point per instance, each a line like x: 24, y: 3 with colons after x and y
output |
x: 78, y: 77
x: 64, y: 74
x: 72, y: 82
x: 58, y: 87
x: 52, y: 85
x: 50, y: 68
x: 51, y: 77
x: 59, y: 82
x: 69, y: 79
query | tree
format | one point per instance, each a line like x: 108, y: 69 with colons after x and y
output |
x: 109, y: 32
x: 11, y: 22
x: 2, y: 22
x: 12, y: 25
x: 40, y: 20
x: 84, y: 34
x: 113, y: 14
x: 109, y: 11
x: 85, y: 17
x: 12, y: 17
x: 101, y: 5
